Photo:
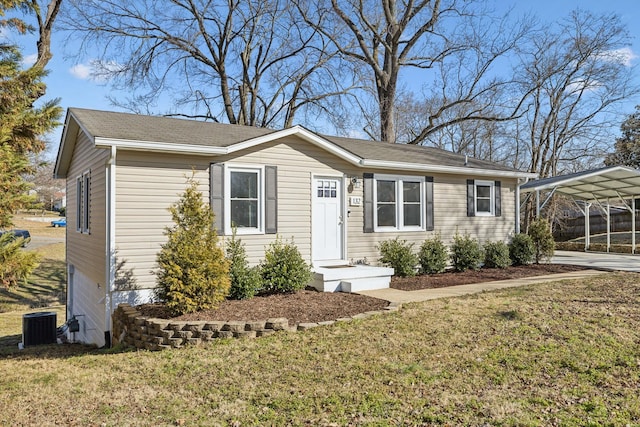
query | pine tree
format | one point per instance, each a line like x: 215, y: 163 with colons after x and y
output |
x: 22, y: 125
x: 627, y: 147
x: 193, y: 272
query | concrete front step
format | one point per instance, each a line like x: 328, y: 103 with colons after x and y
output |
x: 351, y: 278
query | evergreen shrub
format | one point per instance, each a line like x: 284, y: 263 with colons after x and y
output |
x: 16, y: 265
x: 465, y: 253
x: 433, y: 255
x: 521, y: 249
x: 496, y: 255
x: 193, y: 272
x: 542, y: 237
x: 283, y: 269
x: 398, y: 254
x: 245, y: 280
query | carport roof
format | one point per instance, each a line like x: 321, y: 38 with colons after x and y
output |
x: 591, y: 185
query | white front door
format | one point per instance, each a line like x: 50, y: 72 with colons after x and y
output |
x: 327, y: 222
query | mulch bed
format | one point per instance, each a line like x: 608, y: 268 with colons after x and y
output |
x: 300, y: 307
x: 312, y: 306
x: 451, y: 278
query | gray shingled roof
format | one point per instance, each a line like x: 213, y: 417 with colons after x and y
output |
x: 134, y: 127
x: 137, y: 127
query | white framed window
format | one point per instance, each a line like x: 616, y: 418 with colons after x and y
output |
x: 83, y: 197
x: 484, y: 194
x: 244, y: 200
x: 399, y: 203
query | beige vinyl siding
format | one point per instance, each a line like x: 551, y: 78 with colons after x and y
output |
x: 148, y: 183
x: 88, y: 304
x: 450, y: 216
x: 87, y: 251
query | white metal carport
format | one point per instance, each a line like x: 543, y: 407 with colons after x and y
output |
x: 596, y: 186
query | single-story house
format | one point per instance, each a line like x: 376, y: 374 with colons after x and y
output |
x: 338, y: 198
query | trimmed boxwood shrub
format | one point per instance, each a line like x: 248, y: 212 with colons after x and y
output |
x: 521, y: 250
x: 283, y: 269
x: 466, y: 253
x: 398, y: 254
x: 433, y: 255
x: 496, y: 255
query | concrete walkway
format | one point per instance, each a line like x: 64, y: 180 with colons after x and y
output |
x: 396, y: 296
x: 597, y: 262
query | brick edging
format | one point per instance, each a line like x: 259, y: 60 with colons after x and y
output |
x: 131, y: 328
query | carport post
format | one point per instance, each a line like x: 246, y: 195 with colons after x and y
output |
x: 633, y: 225
x: 608, y: 225
x: 587, y: 228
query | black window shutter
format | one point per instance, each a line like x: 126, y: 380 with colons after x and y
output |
x: 368, y: 202
x: 498, y: 198
x: 429, y: 202
x: 216, y: 195
x: 471, y: 200
x: 271, y: 200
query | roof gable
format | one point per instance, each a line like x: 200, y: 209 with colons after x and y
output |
x: 162, y: 134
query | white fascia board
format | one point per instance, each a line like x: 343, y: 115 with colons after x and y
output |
x: 382, y: 164
x: 304, y: 134
x: 65, y: 150
x: 159, y: 146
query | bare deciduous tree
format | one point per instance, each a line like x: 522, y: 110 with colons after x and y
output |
x: 243, y: 61
x: 49, y: 191
x: 451, y: 45
x: 583, y: 74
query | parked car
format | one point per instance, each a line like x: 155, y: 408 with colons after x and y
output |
x: 19, y: 233
x: 62, y: 222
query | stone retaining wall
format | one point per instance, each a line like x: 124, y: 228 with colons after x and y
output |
x: 133, y: 329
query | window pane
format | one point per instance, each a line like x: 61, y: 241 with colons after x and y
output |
x: 484, y: 205
x: 244, y: 213
x: 85, y: 205
x: 412, y: 215
x: 244, y: 185
x: 483, y: 191
x: 411, y: 191
x: 386, y: 215
x: 386, y: 191
x: 79, y: 194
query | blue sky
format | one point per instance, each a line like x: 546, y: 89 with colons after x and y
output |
x: 73, y: 83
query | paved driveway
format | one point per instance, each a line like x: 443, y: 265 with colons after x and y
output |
x: 598, y: 260
x: 39, y: 241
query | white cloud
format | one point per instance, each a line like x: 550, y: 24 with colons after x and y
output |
x: 95, y: 71
x: 29, y: 60
x: 81, y: 71
x: 623, y: 56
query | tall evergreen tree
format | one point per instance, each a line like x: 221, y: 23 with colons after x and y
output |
x: 627, y: 147
x: 22, y: 123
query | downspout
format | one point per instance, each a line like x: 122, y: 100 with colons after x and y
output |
x: 110, y: 250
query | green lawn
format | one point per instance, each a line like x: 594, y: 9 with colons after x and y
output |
x: 565, y: 353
